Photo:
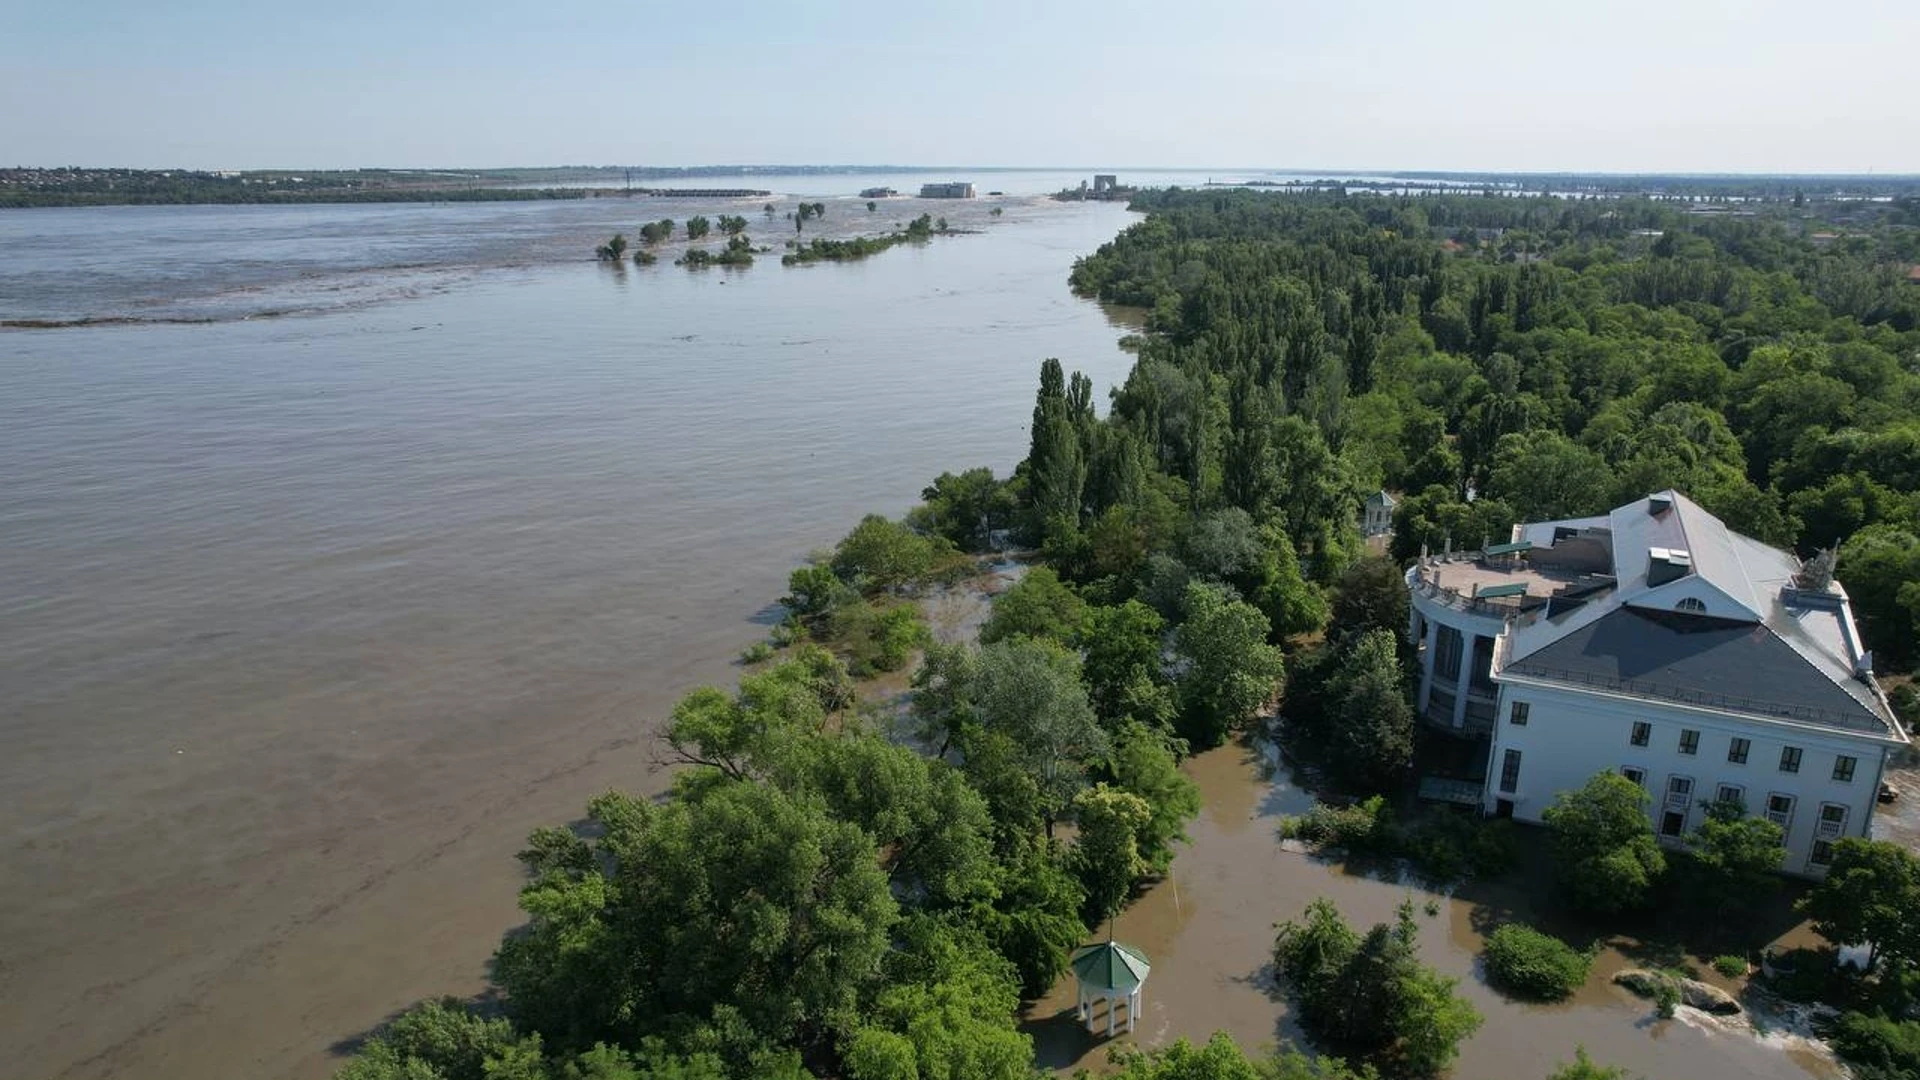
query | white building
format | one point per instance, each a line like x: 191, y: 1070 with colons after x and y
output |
x: 1376, y: 514
x: 1655, y: 641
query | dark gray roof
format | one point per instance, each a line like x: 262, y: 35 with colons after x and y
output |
x: 1696, y: 660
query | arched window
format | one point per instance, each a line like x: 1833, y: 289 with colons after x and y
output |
x: 1691, y: 604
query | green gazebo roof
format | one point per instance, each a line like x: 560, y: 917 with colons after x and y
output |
x: 1110, y: 966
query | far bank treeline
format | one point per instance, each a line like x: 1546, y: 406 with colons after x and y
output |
x: 833, y: 891
x: 739, y: 249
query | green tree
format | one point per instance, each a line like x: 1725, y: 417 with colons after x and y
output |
x: 1106, y: 854
x: 1038, y: 605
x: 1230, y: 670
x: 443, y: 1040
x: 1144, y: 765
x: 1544, y: 475
x: 1604, y: 852
x: 1371, y: 994
x: 1372, y: 722
x: 744, y: 898
x: 1869, y: 895
x: 965, y: 508
x: 1029, y: 692
x: 698, y: 226
x: 1880, y: 567
x: 1734, y: 862
x: 614, y: 249
x: 1122, y: 666
x: 1370, y: 594
x: 881, y: 555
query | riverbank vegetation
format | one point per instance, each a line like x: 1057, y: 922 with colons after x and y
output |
x: 859, y: 247
x: 838, y: 890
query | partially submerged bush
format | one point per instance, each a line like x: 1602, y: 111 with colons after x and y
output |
x: 1731, y: 966
x: 1527, y: 963
x: 1360, y: 828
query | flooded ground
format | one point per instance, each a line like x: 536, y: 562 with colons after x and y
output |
x: 1209, y: 928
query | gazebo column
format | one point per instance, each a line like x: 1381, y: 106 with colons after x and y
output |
x: 1133, y: 1008
x: 1111, y: 1009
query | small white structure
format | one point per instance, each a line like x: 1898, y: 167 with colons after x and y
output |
x: 1376, y: 518
x: 1110, y: 972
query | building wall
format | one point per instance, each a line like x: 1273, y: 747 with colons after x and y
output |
x: 1428, y: 615
x: 1569, y: 736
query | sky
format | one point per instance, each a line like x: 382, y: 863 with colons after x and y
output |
x: 1494, y: 85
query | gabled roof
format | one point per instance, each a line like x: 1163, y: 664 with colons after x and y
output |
x: 1698, y: 614
x: 1110, y: 966
x: 1698, y: 660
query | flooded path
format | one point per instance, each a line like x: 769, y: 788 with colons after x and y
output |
x: 1208, y: 930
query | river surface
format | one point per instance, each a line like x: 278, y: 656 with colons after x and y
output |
x: 306, y: 621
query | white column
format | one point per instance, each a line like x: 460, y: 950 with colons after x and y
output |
x: 1133, y: 1008
x: 1110, y: 1011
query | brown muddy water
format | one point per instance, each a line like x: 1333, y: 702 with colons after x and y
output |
x: 1209, y: 927
x: 306, y: 622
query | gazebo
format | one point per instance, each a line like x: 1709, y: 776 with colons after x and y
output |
x: 1110, y: 972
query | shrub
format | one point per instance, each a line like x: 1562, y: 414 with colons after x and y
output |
x: 1666, y: 998
x: 877, y: 638
x: 1731, y: 966
x: 756, y: 652
x: 1876, y: 1042
x: 1527, y: 963
x: 1362, y: 827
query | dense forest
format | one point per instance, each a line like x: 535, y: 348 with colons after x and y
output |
x: 833, y: 889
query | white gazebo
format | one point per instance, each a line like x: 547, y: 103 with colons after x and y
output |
x: 1110, y: 972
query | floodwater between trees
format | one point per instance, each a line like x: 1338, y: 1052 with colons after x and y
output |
x: 1208, y: 930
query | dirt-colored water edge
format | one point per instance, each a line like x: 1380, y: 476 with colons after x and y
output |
x: 1208, y: 929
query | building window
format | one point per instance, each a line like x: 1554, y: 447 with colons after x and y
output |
x: 1789, y: 759
x: 1833, y: 822
x: 1737, y: 751
x: 1690, y: 603
x: 1518, y: 717
x: 1446, y: 656
x: 1780, y: 811
x: 1731, y: 794
x: 1843, y: 769
x: 1638, y: 776
x: 1822, y: 853
x: 1642, y: 731
x: 1689, y: 742
x: 1673, y: 817
x: 1510, y: 772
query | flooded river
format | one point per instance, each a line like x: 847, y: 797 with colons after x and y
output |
x: 306, y: 621
x: 1208, y: 930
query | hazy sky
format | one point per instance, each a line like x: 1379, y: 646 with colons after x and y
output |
x: 1603, y: 85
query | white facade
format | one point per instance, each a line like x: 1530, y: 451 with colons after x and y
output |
x: 1656, y: 643
x: 1568, y: 736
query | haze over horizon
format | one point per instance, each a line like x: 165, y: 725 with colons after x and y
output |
x: 1634, y: 87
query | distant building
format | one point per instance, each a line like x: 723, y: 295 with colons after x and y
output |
x: 878, y: 193
x: 957, y: 189
x: 1104, y: 182
x: 1376, y: 517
